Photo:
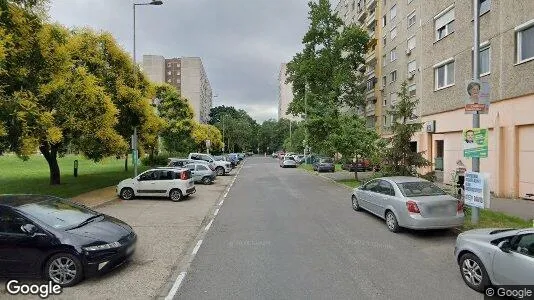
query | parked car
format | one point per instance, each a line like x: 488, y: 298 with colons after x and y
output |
x: 241, y: 156
x: 288, y: 161
x: 221, y: 167
x: 360, y: 166
x: 54, y: 238
x: 182, y: 162
x: 226, y: 159
x: 200, y: 173
x: 408, y: 202
x: 274, y: 155
x: 495, y: 257
x: 169, y: 182
x: 234, y: 158
x: 299, y: 158
x: 281, y: 154
x: 324, y: 164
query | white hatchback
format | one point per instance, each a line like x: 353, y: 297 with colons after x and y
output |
x: 173, y: 183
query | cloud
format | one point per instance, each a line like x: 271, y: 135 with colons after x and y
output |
x: 241, y: 42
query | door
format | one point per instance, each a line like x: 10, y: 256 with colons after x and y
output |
x: 20, y: 252
x: 202, y: 171
x: 164, y: 182
x: 517, y: 266
x: 146, y: 184
x: 194, y: 174
x: 386, y: 196
x: 364, y: 195
x: 526, y: 157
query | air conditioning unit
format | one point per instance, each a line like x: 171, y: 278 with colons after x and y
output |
x: 411, y: 75
x: 408, y: 51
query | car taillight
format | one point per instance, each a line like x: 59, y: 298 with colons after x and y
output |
x: 185, y: 175
x: 412, y: 207
x: 459, y: 206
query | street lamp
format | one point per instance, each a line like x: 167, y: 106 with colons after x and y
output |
x: 153, y: 2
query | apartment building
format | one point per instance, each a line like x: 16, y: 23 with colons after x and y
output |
x: 506, y: 62
x: 285, y: 95
x: 188, y: 75
x: 368, y: 15
x: 430, y: 45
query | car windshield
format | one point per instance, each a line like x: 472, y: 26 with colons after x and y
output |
x: 58, y: 213
x: 420, y: 189
x: 327, y: 160
x: 290, y: 158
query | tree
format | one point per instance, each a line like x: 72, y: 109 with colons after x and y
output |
x: 178, y: 115
x: 294, y: 142
x: 400, y: 160
x: 203, y: 132
x: 240, y: 130
x: 353, y: 138
x: 325, y: 74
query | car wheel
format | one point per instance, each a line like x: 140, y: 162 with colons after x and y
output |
x: 220, y: 171
x: 127, y: 194
x: 175, y: 195
x: 473, y: 272
x: 206, y: 180
x: 355, y: 204
x: 391, y: 222
x: 64, y: 269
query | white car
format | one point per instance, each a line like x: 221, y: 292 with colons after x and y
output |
x: 173, y: 183
x: 221, y: 167
x: 288, y: 161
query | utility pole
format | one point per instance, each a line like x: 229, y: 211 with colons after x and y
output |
x: 306, y: 149
x: 290, y: 140
x: 476, y: 76
x: 134, y: 151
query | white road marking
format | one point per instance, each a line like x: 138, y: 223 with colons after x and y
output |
x: 221, y: 203
x: 195, y: 250
x: 175, y: 286
x: 216, y: 212
x: 208, y: 226
x: 225, y: 194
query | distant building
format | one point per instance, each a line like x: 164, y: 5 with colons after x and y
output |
x: 285, y: 95
x: 187, y: 74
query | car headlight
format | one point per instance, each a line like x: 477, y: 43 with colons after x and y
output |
x: 103, y: 247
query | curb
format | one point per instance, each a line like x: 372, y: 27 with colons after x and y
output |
x: 181, y: 267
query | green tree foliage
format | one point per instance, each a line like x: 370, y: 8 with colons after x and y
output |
x: 398, y: 157
x: 353, y: 138
x: 238, y: 128
x: 294, y: 141
x: 203, y: 132
x: 178, y: 115
x: 325, y: 74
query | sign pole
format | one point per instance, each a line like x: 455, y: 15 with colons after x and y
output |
x: 476, y: 75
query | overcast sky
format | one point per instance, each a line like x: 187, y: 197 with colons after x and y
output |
x: 241, y: 42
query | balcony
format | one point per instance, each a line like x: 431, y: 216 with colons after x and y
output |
x: 370, y: 109
x: 371, y: 4
x: 370, y: 18
x: 370, y: 56
x: 362, y: 14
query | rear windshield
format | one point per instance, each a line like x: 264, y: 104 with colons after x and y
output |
x: 420, y: 189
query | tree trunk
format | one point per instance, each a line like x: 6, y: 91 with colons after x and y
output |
x: 126, y: 163
x: 356, y: 174
x: 50, y: 154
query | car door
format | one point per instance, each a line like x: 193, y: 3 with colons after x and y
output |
x: 202, y: 171
x: 517, y: 266
x: 365, y: 194
x: 147, y: 184
x: 386, y: 198
x: 194, y: 173
x: 375, y: 195
x: 164, y: 183
x: 21, y: 253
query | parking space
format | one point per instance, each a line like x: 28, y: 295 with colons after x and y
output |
x: 164, y: 230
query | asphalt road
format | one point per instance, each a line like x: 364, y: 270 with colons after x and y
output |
x: 288, y: 234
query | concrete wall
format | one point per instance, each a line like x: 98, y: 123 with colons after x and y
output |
x: 196, y: 88
x: 285, y: 95
x: 154, y: 67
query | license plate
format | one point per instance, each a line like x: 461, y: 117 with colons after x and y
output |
x: 130, y: 249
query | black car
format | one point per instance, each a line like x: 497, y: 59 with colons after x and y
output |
x: 54, y: 238
x: 324, y: 164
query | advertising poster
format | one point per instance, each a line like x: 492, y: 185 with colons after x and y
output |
x: 475, y: 143
x: 477, y: 189
x: 478, y: 97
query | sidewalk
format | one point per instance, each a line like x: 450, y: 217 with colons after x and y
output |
x: 97, y: 197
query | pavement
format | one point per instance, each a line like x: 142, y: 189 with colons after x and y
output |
x: 286, y: 234
x: 165, y: 231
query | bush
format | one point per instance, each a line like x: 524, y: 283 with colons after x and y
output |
x: 430, y: 176
x: 155, y: 160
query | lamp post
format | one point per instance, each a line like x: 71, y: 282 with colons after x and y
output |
x: 134, y: 149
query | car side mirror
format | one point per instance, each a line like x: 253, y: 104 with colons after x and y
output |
x: 31, y: 230
x: 505, y: 246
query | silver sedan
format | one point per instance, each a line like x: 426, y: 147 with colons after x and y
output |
x: 496, y: 257
x: 288, y: 161
x: 408, y: 202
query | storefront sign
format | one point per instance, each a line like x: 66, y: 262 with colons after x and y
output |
x: 478, y: 96
x: 475, y: 142
x: 477, y: 192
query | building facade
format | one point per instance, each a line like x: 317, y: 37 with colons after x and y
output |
x: 429, y: 44
x: 285, y: 95
x: 187, y: 74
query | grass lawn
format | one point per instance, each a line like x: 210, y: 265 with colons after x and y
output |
x: 350, y: 182
x: 490, y: 219
x: 32, y: 176
x: 310, y: 167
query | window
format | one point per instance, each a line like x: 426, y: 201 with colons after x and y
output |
x: 386, y: 188
x: 484, y: 61
x: 385, y: 120
x: 166, y: 175
x: 384, y: 21
x: 444, y: 75
x: 384, y: 41
x: 485, y: 6
x: 169, y: 80
x: 393, y: 54
x: 201, y: 168
x: 443, y: 23
x: 412, y: 66
x: 411, y: 19
x: 385, y: 101
x: 393, y: 97
x: 393, y: 32
x: 525, y: 245
x: 384, y: 80
x: 169, y: 73
x: 525, y: 42
x: 384, y: 61
x: 393, y: 12
x: 10, y: 222
x: 411, y: 43
x: 393, y: 76
x: 412, y: 90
